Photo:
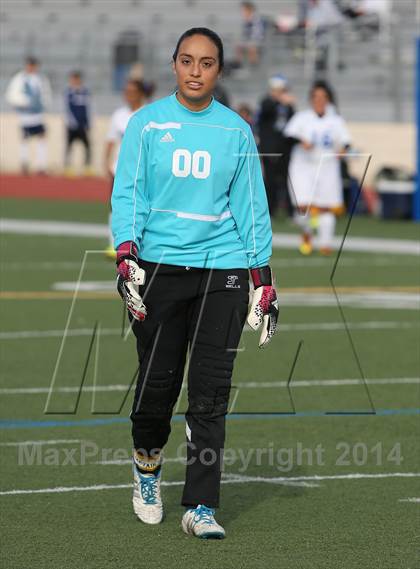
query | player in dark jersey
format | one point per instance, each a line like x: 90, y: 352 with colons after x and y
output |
x: 77, y: 102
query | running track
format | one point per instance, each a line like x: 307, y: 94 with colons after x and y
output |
x: 54, y: 188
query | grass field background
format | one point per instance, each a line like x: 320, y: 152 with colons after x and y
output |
x: 357, y: 507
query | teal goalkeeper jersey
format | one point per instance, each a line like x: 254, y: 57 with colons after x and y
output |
x: 189, y: 190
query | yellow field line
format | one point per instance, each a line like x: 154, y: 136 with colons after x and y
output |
x: 106, y: 295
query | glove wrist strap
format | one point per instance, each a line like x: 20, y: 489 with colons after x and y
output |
x: 261, y: 276
x: 127, y: 250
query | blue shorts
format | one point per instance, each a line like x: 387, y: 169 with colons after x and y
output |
x: 29, y: 131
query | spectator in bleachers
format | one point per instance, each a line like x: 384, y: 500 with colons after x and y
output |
x: 275, y: 110
x: 135, y: 96
x: 29, y: 93
x: 77, y: 116
x: 370, y: 15
x: 358, y: 8
x: 325, y: 17
x: 253, y: 31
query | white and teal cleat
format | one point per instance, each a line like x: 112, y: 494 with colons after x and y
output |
x: 200, y: 522
x: 147, y: 501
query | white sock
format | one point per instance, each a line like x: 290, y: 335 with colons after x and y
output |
x: 303, y: 222
x: 110, y: 236
x: 41, y: 154
x: 326, y: 229
x: 24, y: 153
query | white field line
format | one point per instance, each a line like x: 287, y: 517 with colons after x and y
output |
x: 48, y: 442
x: 63, y: 489
x: 280, y: 240
x: 85, y: 286
x: 51, y: 228
x: 305, y: 262
x: 410, y: 500
x: 366, y: 299
x: 227, y: 479
x: 320, y: 478
x: 304, y: 327
x: 360, y: 244
x: 245, y: 385
x: 329, y: 382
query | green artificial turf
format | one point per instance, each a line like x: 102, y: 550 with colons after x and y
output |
x: 299, y: 522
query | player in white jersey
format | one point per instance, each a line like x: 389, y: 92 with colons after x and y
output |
x: 29, y: 93
x: 135, y: 98
x: 321, y: 138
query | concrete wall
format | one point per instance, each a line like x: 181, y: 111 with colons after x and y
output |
x: 388, y: 143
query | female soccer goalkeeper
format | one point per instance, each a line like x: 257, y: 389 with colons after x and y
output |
x: 189, y: 220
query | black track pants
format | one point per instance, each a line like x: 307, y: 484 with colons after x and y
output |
x: 202, y: 312
x: 82, y: 135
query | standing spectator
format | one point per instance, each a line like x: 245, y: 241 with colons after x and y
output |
x: 253, y: 31
x: 77, y: 100
x: 302, y: 13
x: 276, y: 109
x: 29, y: 93
x: 321, y: 138
x: 135, y: 96
x: 325, y: 18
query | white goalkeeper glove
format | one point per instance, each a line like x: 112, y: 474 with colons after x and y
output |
x: 264, y: 307
x: 130, y: 277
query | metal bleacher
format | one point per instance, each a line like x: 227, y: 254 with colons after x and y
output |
x: 67, y: 34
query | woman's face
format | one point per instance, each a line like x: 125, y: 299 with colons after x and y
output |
x: 197, y: 68
x: 319, y: 101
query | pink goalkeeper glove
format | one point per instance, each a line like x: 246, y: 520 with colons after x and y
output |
x: 130, y: 277
x: 264, y: 307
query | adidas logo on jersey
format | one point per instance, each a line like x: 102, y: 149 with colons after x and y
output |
x: 167, y: 138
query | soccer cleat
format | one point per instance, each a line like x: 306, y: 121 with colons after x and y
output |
x: 306, y: 248
x: 200, y: 522
x: 147, y: 502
